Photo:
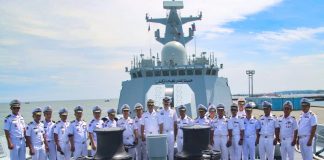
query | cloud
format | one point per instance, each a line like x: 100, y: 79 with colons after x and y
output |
x: 313, y: 59
x: 290, y: 35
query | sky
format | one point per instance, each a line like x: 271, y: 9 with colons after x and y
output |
x: 66, y: 49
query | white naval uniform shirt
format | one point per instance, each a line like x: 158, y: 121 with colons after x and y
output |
x: 236, y: 124
x: 287, y: 126
x: 203, y: 121
x: 109, y: 123
x: 137, y: 122
x: 129, y: 127
x: 306, y: 122
x: 15, y: 124
x: 36, y: 133
x: 79, y: 131
x: 49, y: 130
x: 150, y: 122
x: 61, y: 129
x: 268, y: 125
x: 220, y: 126
x: 94, y: 124
x: 250, y: 126
x: 167, y: 118
x: 186, y: 121
x: 241, y: 113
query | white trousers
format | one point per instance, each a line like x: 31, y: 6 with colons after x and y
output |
x: 51, y: 155
x: 249, y: 147
x: 80, y: 149
x: 66, y: 149
x: 132, y: 152
x: 220, y: 145
x: 170, y: 143
x: 179, y: 144
x: 266, y: 147
x: 19, y: 150
x: 40, y: 153
x: 235, y: 150
x: 141, y: 152
x: 286, y: 150
x: 93, y: 152
x: 306, y: 151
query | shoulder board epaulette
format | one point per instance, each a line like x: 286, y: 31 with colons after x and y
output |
x: 281, y: 116
x: 273, y: 115
x: 73, y: 121
x: 53, y: 121
x: 261, y: 115
x: 30, y: 123
x: 92, y: 121
x: 84, y: 120
x: 242, y: 117
x: 8, y: 116
x: 116, y: 119
x: 293, y: 117
x: 58, y: 122
x: 42, y: 121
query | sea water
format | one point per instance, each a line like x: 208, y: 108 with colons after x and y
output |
x: 27, y: 108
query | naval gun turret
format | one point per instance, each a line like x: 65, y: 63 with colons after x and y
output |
x: 189, y: 79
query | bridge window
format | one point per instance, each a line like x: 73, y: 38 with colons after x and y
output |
x: 214, y: 72
x: 182, y: 72
x: 149, y: 73
x: 157, y: 73
x: 198, y: 71
x: 189, y: 72
x: 165, y: 73
x: 134, y: 75
x: 139, y: 74
x: 208, y: 71
x: 173, y: 72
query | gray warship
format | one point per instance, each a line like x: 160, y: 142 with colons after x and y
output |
x: 189, y: 79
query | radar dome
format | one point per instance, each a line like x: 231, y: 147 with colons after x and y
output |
x: 174, y: 53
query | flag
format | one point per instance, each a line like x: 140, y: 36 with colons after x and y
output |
x: 149, y: 28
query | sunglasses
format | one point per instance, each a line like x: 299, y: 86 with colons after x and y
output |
x: 233, y: 109
x: 15, y: 107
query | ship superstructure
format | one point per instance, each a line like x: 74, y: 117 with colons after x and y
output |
x: 189, y: 79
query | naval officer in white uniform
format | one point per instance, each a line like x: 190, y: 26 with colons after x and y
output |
x: 287, y: 130
x: 130, y: 135
x: 182, y: 121
x: 251, y: 132
x: 61, y: 136
x: 49, y: 130
x: 167, y: 119
x: 241, y: 104
x: 15, y: 128
x: 78, y: 134
x: 149, y: 122
x: 267, y: 139
x: 36, y: 138
x: 111, y: 120
x: 307, y: 125
x: 141, y: 152
x: 236, y: 133
x: 219, y: 133
x: 95, y: 123
x: 211, y: 112
x: 202, y: 119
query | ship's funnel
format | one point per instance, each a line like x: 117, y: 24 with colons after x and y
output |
x: 195, y: 140
x: 174, y: 53
x: 110, y: 144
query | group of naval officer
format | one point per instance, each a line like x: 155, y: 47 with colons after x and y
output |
x: 236, y: 136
